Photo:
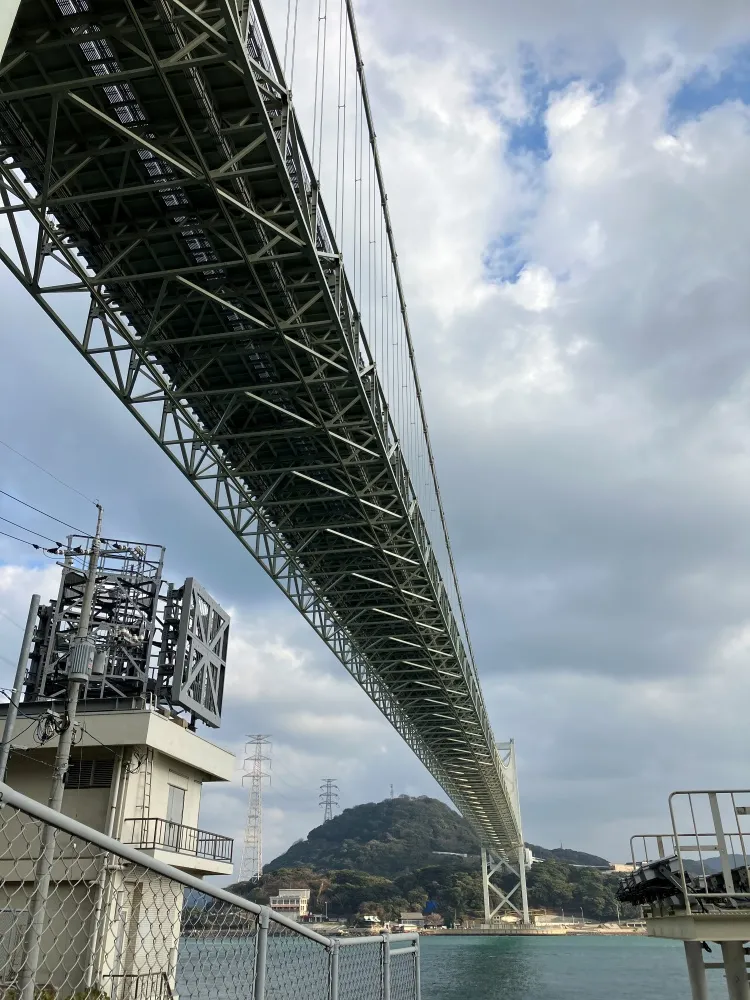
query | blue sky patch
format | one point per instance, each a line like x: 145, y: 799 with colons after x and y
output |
x: 542, y: 76
x: 709, y: 88
x: 504, y: 259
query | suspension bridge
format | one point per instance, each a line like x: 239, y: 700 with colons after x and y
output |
x: 238, y: 290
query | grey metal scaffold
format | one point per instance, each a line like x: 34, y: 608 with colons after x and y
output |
x: 159, y: 203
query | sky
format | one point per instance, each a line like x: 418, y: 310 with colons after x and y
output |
x: 568, y: 185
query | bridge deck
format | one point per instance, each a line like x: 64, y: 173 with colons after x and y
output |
x: 160, y: 162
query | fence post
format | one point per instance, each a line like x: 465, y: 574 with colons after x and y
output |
x: 386, y: 964
x: 261, y: 954
x: 417, y: 971
x: 333, y: 959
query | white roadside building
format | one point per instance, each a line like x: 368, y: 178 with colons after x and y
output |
x: 137, y: 776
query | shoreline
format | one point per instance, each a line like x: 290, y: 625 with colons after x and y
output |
x: 537, y: 932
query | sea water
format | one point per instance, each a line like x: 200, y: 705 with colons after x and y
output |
x: 559, y: 968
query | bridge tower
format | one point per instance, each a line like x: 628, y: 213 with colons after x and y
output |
x: 494, y: 864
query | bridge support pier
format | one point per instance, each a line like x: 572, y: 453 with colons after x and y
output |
x: 696, y: 970
x: 497, y: 899
x: 733, y: 953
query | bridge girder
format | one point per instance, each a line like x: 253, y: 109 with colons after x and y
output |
x: 159, y: 204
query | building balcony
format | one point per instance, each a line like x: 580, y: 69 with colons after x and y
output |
x: 182, y: 846
x: 143, y: 986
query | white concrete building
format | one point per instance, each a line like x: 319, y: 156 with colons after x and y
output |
x: 295, y: 902
x: 137, y: 775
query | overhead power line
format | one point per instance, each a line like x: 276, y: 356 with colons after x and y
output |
x: 31, y: 531
x: 11, y: 620
x: 44, y: 513
x: 24, y: 541
x: 45, y: 471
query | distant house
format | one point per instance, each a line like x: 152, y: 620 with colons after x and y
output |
x: 415, y: 919
x: 295, y: 902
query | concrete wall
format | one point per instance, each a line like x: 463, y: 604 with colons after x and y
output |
x: 140, y: 930
x: 147, y: 794
x: 31, y: 774
x: 152, y: 914
x: 65, y: 943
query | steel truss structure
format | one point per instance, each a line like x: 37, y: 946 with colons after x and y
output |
x: 257, y: 753
x: 193, y: 653
x: 498, y: 898
x: 155, y: 642
x: 125, y: 621
x: 159, y: 203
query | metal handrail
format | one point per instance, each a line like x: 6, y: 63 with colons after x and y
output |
x: 156, y: 832
x: 9, y: 796
x: 726, y: 844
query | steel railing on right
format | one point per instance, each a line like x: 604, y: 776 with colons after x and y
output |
x: 687, y: 869
x: 117, y: 924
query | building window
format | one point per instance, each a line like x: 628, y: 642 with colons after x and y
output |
x: 90, y: 773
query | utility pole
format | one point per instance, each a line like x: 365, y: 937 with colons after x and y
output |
x: 391, y: 792
x: 15, y: 695
x: 252, y: 854
x: 80, y: 661
x: 328, y: 798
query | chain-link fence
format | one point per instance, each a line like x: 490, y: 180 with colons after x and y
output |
x: 112, y: 923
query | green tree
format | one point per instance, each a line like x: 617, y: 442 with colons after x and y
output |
x: 549, y: 885
x: 417, y: 899
x: 370, y: 908
x: 589, y: 894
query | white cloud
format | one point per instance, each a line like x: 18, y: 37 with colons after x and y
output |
x: 17, y: 584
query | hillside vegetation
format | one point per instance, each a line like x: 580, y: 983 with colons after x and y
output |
x: 383, y: 838
x: 385, y: 857
x: 395, y: 836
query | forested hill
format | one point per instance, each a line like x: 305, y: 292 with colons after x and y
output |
x: 395, y: 836
x: 568, y: 857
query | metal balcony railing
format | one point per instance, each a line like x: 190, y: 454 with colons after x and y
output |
x: 134, y: 986
x: 152, y: 833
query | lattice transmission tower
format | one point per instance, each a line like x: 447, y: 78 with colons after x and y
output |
x: 329, y: 797
x: 257, y: 753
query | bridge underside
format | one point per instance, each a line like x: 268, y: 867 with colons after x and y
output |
x: 159, y: 204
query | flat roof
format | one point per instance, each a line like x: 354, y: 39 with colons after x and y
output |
x: 135, y: 727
